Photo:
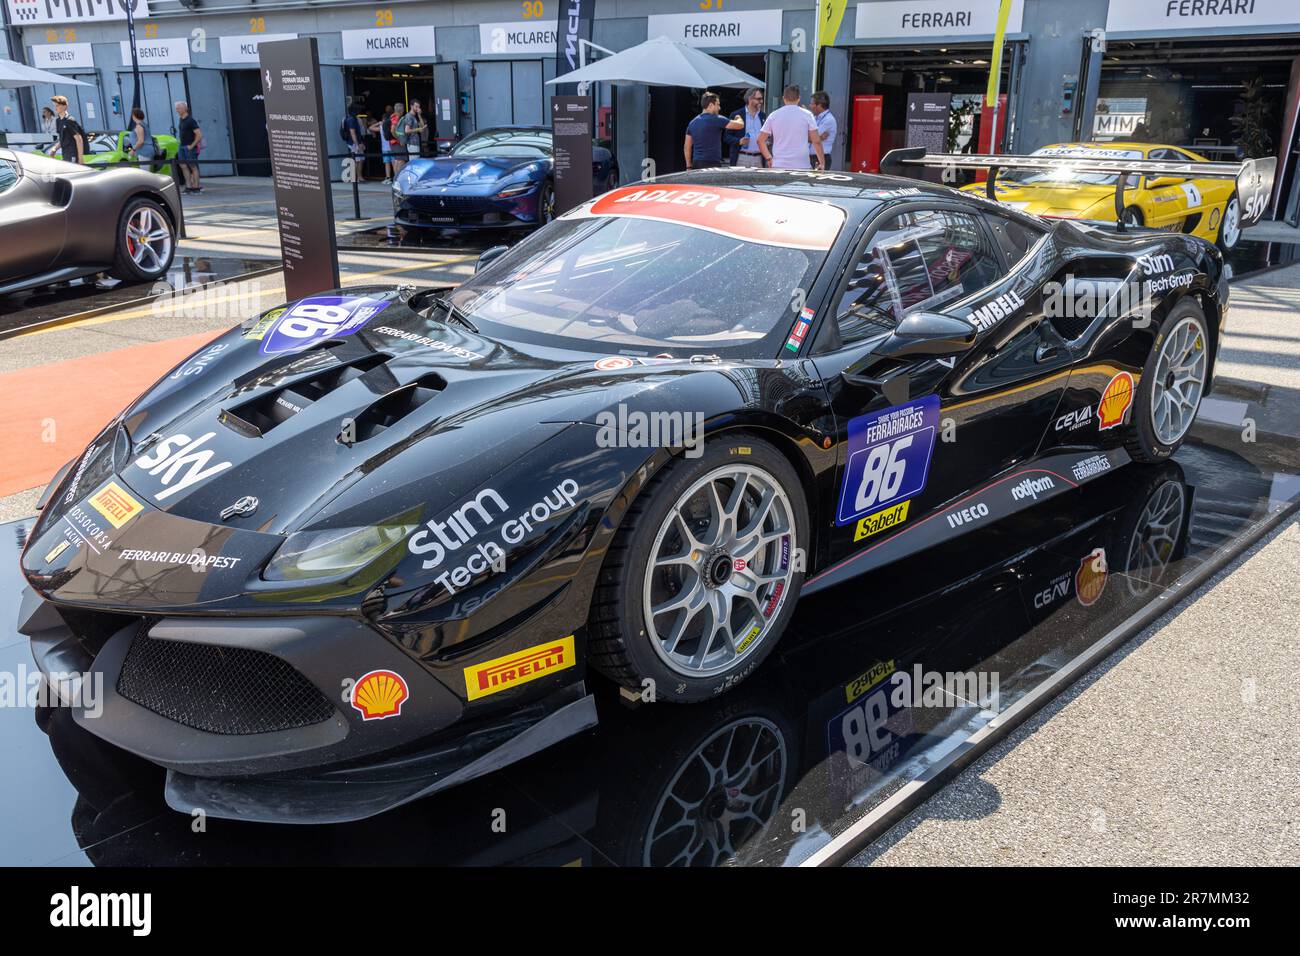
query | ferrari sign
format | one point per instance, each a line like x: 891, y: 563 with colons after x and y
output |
x: 1133, y: 16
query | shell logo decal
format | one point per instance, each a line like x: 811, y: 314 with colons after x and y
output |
x: 1090, y: 579
x: 1116, y: 398
x: 379, y: 694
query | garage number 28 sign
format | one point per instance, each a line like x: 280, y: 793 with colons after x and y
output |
x: 888, y: 463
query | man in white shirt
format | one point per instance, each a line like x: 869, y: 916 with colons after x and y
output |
x: 827, y: 128
x: 786, y: 134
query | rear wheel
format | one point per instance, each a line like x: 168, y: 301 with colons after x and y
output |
x: 146, y: 242
x: 701, y: 580
x: 1173, y: 384
x: 1133, y: 217
x: 1230, y: 226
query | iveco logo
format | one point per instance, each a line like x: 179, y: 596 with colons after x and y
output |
x: 244, y: 506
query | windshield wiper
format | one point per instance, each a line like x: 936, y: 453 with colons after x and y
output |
x: 454, y: 314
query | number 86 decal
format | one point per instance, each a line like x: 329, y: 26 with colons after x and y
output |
x: 887, y: 458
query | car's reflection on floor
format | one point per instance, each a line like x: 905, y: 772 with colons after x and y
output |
x: 876, y: 681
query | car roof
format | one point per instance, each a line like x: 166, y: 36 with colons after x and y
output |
x: 831, y: 186
x: 512, y: 129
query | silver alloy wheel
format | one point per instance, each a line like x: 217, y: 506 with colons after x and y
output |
x: 148, y: 239
x: 1230, y: 228
x: 1156, y: 537
x: 1179, y: 381
x: 719, y: 570
x: 722, y: 796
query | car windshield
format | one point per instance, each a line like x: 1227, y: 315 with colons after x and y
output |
x: 679, y: 279
x: 103, y: 142
x: 1040, y: 177
x: 505, y: 142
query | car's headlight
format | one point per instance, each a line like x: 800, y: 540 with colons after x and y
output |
x: 516, y: 189
x: 312, y: 555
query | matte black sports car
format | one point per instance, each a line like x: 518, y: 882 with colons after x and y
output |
x: 61, y: 221
x: 385, y: 521
x: 497, y: 178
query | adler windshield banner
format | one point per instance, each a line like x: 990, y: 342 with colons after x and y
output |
x: 573, y: 28
x: 294, y: 122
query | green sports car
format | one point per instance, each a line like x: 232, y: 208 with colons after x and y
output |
x: 109, y: 149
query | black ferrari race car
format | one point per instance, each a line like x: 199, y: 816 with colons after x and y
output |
x: 48, y: 208
x: 388, y: 526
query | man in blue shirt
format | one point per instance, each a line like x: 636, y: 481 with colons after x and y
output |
x: 827, y: 128
x: 703, y: 145
x: 743, y: 145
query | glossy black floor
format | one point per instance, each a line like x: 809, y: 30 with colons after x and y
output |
x: 768, y: 774
x: 37, y: 307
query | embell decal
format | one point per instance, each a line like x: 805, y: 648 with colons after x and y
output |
x: 503, y: 673
x: 115, y: 504
x: 379, y: 694
x: 1090, y: 579
x: 1115, y: 401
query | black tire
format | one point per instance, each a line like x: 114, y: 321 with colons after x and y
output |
x: 124, y: 266
x: 1141, y: 440
x: 545, y: 204
x: 618, y: 644
x: 1235, y: 207
x: 1133, y: 217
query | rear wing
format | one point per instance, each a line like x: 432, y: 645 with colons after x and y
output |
x: 1254, y: 177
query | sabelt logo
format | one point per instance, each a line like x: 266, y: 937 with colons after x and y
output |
x: 115, y: 504
x: 1090, y: 579
x: 379, y: 694
x: 875, y: 523
x: 1115, y: 401
x: 503, y: 673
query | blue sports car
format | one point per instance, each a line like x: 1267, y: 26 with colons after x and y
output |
x: 497, y: 178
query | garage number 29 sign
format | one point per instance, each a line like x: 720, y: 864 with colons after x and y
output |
x: 888, y: 461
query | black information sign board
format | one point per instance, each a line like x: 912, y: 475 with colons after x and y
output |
x: 571, y: 136
x: 295, y: 115
x: 927, y: 125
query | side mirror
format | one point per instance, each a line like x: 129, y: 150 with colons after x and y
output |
x: 1161, y: 182
x: 927, y: 333
x: 488, y: 256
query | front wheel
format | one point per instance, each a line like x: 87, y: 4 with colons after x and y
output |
x: 146, y: 242
x: 1230, y: 227
x: 704, y: 574
x: 1133, y: 217
x: 545, y: 204
x: 1173, y: 384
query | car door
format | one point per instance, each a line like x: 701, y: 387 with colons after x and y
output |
x: 939, y: 426
x: 1170, y: 199
x: 32, y: 227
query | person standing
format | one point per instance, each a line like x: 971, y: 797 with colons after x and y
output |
x: 382, y: 128
x: 49, y: 126
x: 410, y: 130
x: 395, y: 144
x: 191, y: 139
x: 141, y: 147
x: 72, y: 138
x: 702, y: 146
x: 786, y: 133
x: 827, y: 127
x: 353, y: 139
x: 743, y: 145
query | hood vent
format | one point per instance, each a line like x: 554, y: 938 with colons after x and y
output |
x: 258, y: 416
x: 391, y: 409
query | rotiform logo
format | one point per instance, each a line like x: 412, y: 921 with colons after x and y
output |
x: 75, y: 908
x: 1032, y: 488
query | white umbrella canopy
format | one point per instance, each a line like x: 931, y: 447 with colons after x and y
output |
x: 14, y: 75
x: 661, y: 62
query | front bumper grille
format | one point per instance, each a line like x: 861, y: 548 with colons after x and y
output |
x: 220, y: 690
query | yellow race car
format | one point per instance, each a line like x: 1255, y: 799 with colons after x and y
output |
x: 1209, y: 208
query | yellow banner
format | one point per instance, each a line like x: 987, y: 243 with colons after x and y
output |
x: 830, y: 14
x: 995, y: 65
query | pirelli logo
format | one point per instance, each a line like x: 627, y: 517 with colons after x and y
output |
x: 503, y: 673
x: 115, y: 504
